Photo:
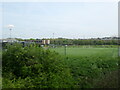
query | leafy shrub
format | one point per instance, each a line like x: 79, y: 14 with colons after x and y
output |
x: 87, y: 70
x: 34, y: 67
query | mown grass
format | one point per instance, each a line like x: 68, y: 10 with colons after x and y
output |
x: 87, y: 52
x: 92, y: 66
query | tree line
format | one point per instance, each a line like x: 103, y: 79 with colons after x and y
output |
x: 61, y: 41
x: 64, y: 41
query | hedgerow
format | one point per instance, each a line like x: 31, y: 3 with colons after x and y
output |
x: 28, y: 67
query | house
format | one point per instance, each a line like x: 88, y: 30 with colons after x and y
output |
x: 46, y: 42
x: 8, y: 40
x: 3, y: 42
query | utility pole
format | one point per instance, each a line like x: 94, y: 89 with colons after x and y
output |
x: 53, y: 41
x: 10, y: 28
x: 53, y: 35
x: 10, y: 32
x: 65, y: 50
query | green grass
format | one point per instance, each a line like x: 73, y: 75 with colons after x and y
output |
x: 89, y: 65
x: 83, y: 52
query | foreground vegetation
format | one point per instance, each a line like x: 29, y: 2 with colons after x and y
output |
x: 32, y: 66
x: 0, y: 67
x: 92, y: 67
x: 36, y: 67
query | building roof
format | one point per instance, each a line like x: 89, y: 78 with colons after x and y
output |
x: 9, y: 40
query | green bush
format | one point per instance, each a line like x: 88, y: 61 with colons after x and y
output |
x: 27, y: 67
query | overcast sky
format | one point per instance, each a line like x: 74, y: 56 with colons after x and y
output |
x: 67, y: 20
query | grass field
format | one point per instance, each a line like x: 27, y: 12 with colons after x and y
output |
x: 87, y: 52
x: 91, y: 66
